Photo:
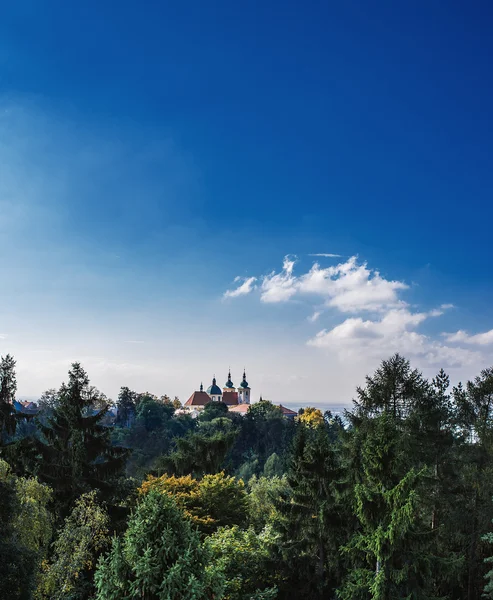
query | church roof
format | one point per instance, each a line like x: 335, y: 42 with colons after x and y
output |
x: 244, y: 383
x: 287, y: 411
x: 229, y: 383
x: 230, y: 398
x: 241, y: 409
x: 198, y: 399
x: 214, y: 390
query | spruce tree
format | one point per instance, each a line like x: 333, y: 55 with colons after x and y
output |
x: 75, y: 454
x: 160, y: 557
x: 8, y: 387
x: 125, y: 407
x: 389, y: 555
x: 312, y: 520
x: 474, y: 424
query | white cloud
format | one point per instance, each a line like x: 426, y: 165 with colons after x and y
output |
x: 280, y: 287
x: 479, y: 339
x: 348, y: 286
x: 326, y: 255
x: 380, y: 322
x: 315, y: 316
x: 394, y: 332
x: 245, y: 288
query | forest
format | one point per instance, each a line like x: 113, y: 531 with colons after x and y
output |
x: 391, y: 500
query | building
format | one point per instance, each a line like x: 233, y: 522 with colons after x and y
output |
x: 229, y: 394
x: 237, y: 399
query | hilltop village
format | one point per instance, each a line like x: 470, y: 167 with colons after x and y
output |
x: 236, y: 399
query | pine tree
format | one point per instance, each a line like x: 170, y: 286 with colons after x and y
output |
x: 125, y: 407
x: 394, y: 388
x: 388, y: 556
x: 474, y: 421
x: 311, y: 518
x: 8, y: 387
x: 75, y: 454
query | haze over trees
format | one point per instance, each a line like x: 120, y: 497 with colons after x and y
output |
x: 392, y: 500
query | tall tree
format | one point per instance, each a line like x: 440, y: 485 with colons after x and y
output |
x: 394, y: 388
x: 75, y: 454
x: 389, y: 553
x: 160, y: 557
x: 125, y: 407
x: 474, y: 419
x: 312, y: 519
x: 8, y: 387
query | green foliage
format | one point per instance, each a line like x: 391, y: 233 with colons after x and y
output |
x: 148, y: 426
x: 31, y: 520
x: 151, y: 413
x: 273, y: 466
x: 8, y: 387
x: 245, y: 561
x: 313, y: 519
x: 84, y: 535
x: 263, y: 500
x: 199, y: 453
x: 125, y: 407
x: 393, y: 501
x: 262, y: 432
x: 212, y: 411
x: 389, y: 552
x: 160, y: 557
x: 214, y: 501
x: 75, y: 454
x: 25, y: 533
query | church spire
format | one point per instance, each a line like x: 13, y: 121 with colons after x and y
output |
x: 229, y: 384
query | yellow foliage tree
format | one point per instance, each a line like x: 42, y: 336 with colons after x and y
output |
x: 312, y: 417
x: 214, y: 501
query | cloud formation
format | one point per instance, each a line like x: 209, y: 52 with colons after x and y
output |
x: 381, y: 321
x: 246, y: 287
x: 326, y: 255
x: 479, y: 339
x: 348, y: 286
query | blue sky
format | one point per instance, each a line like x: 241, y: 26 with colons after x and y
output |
x: 152, y: 153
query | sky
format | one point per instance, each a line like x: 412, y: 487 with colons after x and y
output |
x: 298, y: 189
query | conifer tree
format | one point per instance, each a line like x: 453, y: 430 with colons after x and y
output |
x: 75, y: 455
x: 8, y: 387
x: 474, y: 420
x: 125, y: 406
x: 312, y: 520
x: 160, y: 557
x: 389, y: 554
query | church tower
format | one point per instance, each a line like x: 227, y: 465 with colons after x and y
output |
x: 244, y: 391
x: 229, y: 386
x: 214, y: 391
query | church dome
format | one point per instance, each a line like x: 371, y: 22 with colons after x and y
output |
x: 244, y: 383
x: 214, y: 390
x: 229, y: 383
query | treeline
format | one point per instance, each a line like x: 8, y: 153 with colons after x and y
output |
x: 392, y: 501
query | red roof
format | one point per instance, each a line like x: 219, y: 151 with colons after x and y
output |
x: 230, y: 398
x: 287, y: 411
x: 242, y: 409
x: 198, y: 399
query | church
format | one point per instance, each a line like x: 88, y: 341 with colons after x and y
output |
x: 229, y: 394
x: 236, y: 399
